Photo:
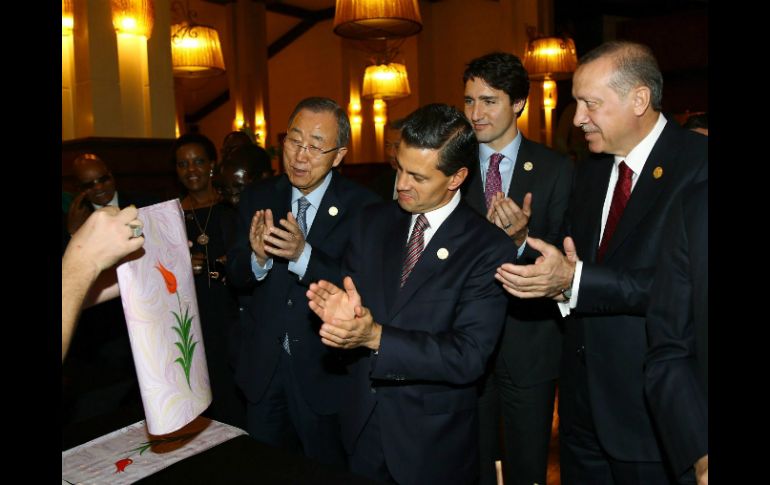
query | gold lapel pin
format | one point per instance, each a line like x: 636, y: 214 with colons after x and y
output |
x: 333, y: 211
x: 442, y: 253
x: 528, y: 166
x: 658, y: 172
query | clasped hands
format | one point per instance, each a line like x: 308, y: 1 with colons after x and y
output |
x: 268, y: 240
x: 551, y: 273
x: 347, y: 324
x: 508, y: 216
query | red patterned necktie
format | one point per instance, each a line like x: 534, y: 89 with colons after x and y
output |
x: 414, y: 247
x: 619, y: 200
x: 494, y: 181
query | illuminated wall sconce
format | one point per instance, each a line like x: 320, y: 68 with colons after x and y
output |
x: 133, y: 17
x: 354, y: 113
x: 260, y: 131
x: 550, y: 95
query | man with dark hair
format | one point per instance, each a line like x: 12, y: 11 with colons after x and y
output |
x: 292, y: 382
x: 241, y: 167
x: 424, y: 267
x: 513, y: 176
x: 233, y: 140
x: 615, y: 227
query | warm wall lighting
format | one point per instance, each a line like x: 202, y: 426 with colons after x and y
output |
x: 195, y: 48
x: 67, y: 17
x: 133, y: 17
x: 377, y: 19
x: 260, y: 131
x: 386, y: 81
x: 549, y: 94
x: 354, y: 112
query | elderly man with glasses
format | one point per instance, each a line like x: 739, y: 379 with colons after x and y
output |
x: 292, y: 230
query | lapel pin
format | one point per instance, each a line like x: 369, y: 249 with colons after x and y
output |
x: 658, y: 172
x: 528, y: 166
x: 333, y: 211
x: 442, y: 253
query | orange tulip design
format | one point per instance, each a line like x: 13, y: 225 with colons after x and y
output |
x: 168, y: 277
x: 183, y: 329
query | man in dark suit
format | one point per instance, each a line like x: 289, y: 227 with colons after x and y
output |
x: 292, y: 382
x: 425, y: 269
x: 615, y: 225
x: 676, y: 367
x: 513, y: 176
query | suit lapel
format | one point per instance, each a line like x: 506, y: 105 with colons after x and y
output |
x: 282, y: 199
x: 522, y: 179
x: 331, y: 211
x: 586, y: 235
x: 449, y: 238
x: 394, y: 253
x: 647, y: 188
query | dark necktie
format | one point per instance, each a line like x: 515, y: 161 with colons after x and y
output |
x: 494, y: 182
x: 414, y: 247
x: 619, y: 200
x: 303, y: 204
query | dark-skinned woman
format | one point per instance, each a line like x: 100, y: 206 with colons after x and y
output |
x: 210, y: 229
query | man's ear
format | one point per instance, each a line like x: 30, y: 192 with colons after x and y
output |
x: 457, y: 178
x: 339, y: 156
x: 640, y: 96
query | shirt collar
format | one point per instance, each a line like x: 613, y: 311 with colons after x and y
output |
x: 436, y: 217
x: 639, y: 154
x: 316, y: 195
x: 510, y: 151
x: 114, y: 202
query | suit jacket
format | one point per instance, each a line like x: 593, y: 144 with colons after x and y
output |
x: 279, y: 304
x: 677, y: 327
x: 613, y: 295
x: 438, y: 333
x: 531, y: 342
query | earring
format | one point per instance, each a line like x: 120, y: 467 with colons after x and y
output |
x: 211, y: 172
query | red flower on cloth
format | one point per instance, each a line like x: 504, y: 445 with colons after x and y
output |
x: 122, y: 464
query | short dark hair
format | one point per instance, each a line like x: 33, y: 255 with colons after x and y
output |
x: 319, y: 105
x: 502, y: 71
x: 252, y: 158
x: 441, y: 127
x: 635, y: 65
x: 189, y: 139
x: 700, y: 120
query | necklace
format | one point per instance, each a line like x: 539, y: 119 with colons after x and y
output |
x: 203, y: 239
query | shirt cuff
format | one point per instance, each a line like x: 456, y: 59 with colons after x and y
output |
x: 299, y: 266
x: 260, y: 272
x: 566, y: 306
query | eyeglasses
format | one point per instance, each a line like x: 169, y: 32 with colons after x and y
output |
x: 101, y: 180
x: 312, y: 151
